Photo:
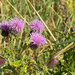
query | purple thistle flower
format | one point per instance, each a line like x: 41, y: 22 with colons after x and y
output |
x: 17, y: 25
x: 53, y: 63
x: 37, y: 39
x: 72, y: 28
x: 36, y: 25
x: 5, y: 28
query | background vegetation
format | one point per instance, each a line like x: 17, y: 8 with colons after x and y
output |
x: 58, y: 17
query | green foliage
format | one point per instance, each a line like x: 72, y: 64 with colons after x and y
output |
x: 20, y: 58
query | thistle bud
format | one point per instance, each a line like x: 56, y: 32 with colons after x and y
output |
x: 72, y: 28
x: 2, y: 61
x: 52, y: 63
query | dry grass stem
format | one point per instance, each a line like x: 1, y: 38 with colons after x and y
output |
x: 63, y: 50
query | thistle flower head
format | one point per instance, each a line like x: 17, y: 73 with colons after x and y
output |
x: 17, y: 25
x: 5, y: 28
x: 53, y: 63
x: 37, y: 38
x: 36, y: 25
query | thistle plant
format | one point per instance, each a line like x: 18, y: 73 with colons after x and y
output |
x: 36, y: 40
x: 17, y: 25
x: 2, y: 60
x: 50, y: 48
x: 52, y: 63
x: 5, y: 28
x: 36, y: 26
x: 72, y: 28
